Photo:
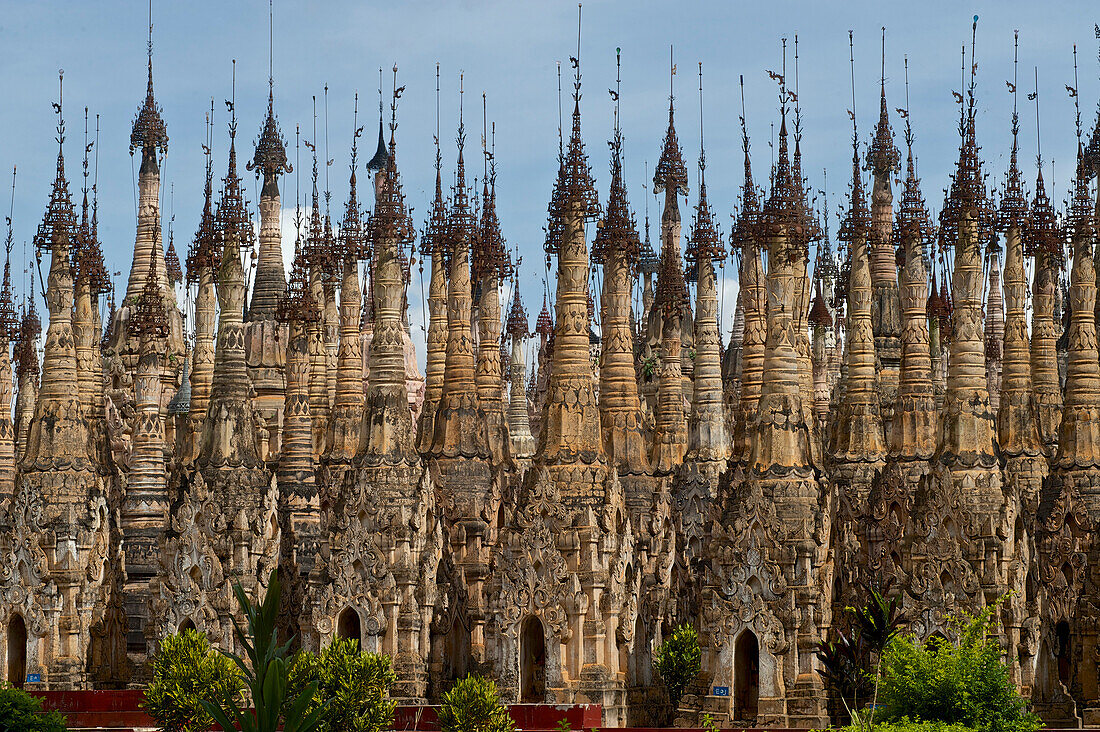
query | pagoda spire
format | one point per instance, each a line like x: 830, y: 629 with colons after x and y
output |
x: 1016, y: 431
x: 203, y: 259
x: 145, y: 507
x: 298, y: 310
x: 746, y: 238
x: 9, y: 328
x: 59, y: 471
x: 389, y: 434
x: 570, y: 433
x: 317, y: 255
x: 433, y: 243
x: 857, y: 435
x: 616, y: 247
x: 804, y: 231
x: 707, y: 436
x: 913, y: 430
x: 1079, y: 431
x: 26, y: 371
x: 150, y: 135
x: 782, y: 439
x: 883, y: 162
x: 966, y: 434
x: 670, y: 177
x: 229, y: 438
x: 270, y: 161
x: 352, y: 245
x: 460, y: 421
x: 58, y: 433
x: 521, y: 442
x: 1043, y: 242
x: 90, y: 280
x: 490, y: 264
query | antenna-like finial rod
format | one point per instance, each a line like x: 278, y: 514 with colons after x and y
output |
x: 576, y: 93
x: 393, y: 105
x: 1038, y: 137
x: 908, y: 126
x: 560, y: 141
x: 233, y: 100
x: 852, y: 68
x: 882, y: 75
x: 150, y: 43
x: 618, y: 84
x: 701, y: 162
x: 1076, y: 96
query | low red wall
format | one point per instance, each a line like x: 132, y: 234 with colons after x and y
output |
x: 526, y: 717
x: 122, y: 709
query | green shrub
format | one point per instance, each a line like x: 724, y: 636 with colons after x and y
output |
x: 677, y: 661
x: 21, y: 711
x: 186, y: 672
x: 851, y: 663
x: 266, y: 673
x: 907, y: 725
x: 358, y: 685
x: 473, y: 705
x: 961, y: 682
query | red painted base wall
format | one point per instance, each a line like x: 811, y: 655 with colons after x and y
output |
x: 122, y: 709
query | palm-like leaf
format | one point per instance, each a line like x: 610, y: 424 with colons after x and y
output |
x: 265, y: 670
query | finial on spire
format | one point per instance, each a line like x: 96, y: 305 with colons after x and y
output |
x: 59, y: 221
x: 1013, y: 210
x: 1092, y: 150
x: 232, y: 222
x: 9, y: 321
x: 705, y: 242
x: 671, y: 173
x: 747, y: 230
x: 270, y: 158
x: 149, y: 132
x: 857, y: 221
x: 617, y: 231
x: 577, y: 186
x: 883, y: 158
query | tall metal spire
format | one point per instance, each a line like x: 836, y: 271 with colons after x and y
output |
x: 149, y: 132
x: 670, y: 171
x: 270, y: 157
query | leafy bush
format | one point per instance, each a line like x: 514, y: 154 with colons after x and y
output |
x: 266, y: 674
x: 960, y: 682
x: 677, y: 661
x: 21, y: 711
x: 907, y: 725
x: 473, y: 705
x: 851, y: 663
x: 357, y: 684
x: 186, y: 672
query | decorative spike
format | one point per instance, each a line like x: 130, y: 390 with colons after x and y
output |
x: 203, y: 254
x: 618, y: 229
x: 59, y: 221
x: 149, y: 132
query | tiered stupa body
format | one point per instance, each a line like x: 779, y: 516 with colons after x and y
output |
x: 265, y: 337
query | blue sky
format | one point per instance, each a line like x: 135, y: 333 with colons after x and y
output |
x: 509, y: 50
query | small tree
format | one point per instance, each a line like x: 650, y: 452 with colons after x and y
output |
x: 21, y: 711
x: 852, y: 663
x: 186, y: 672
x: 358, y: 685
x: 473, y: 705
x: 266, y: 674
x: 677, y: 662
x: 964, y: 681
